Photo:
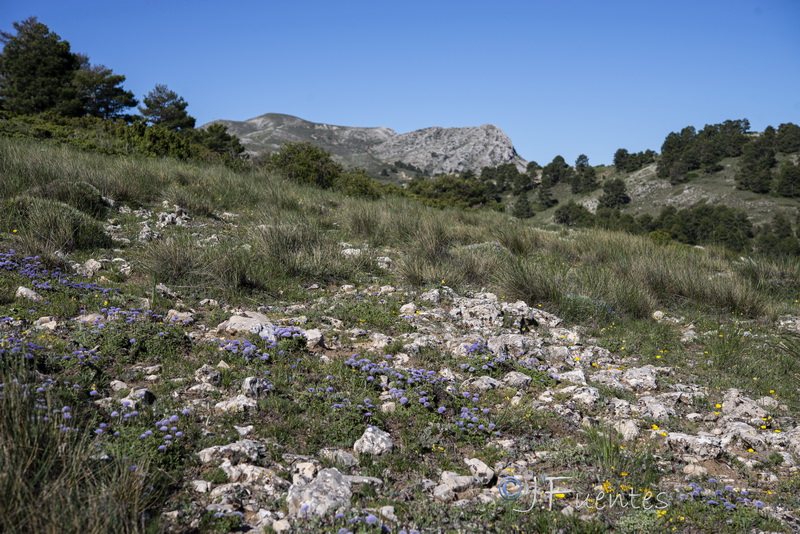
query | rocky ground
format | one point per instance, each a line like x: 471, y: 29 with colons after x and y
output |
x: 363, y: 407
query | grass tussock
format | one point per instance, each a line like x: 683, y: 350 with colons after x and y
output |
x: 53, y: 479
x: 630, y: 275
x: 48, y: 227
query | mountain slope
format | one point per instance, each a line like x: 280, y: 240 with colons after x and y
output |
x: 432, y: 150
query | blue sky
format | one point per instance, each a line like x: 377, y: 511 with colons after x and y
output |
x: 559, y: 77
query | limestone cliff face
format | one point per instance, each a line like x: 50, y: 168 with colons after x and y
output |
x: 433, y: 150
x: 450, y: 150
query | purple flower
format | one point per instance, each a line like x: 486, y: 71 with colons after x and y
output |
x: 371, y: 519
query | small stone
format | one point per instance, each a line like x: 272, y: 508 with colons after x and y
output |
x: 89, y: 318
x: 388, y: 513
x: 281, y: 525
x: 117, y: 385
x: 243, y: 431
x: 374, y: 441
x: 25, y: 293
x: 175, y: 316
x: 517, y: 380
x: 239, y: 403
x: 576, y: 377
x: 327, y: 493
x: 235, y: 452
x: 208, y: 375
x: 253, y: 386
x: 201, y: 486
x: 628, y: 429
x: 482, y: 383
x: 443, y: 493
x: 408, y: 309
x: 480, y: 471
x: 45, y: 323
x: 314, y: 338
x: 455, y: 481
x: 695, y: 470
x: 303, y: 473
x: 340, y: 457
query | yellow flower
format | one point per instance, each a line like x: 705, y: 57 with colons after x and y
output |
x: 654, y: 427
x: 750, y: 450
x: 718, y: 405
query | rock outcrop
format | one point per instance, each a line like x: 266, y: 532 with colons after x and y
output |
x: 431, y: 150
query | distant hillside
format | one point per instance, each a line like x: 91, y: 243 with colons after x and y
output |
x: 649, y: 193
x: 432, y: 151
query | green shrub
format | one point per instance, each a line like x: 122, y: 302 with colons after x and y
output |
x: 357, y: 183
x: 306, y: 164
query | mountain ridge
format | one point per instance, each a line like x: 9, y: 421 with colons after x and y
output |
x: 433, y: 150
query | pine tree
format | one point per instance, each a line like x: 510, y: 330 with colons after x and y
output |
x: 163, y: 107
x: 37, y: 70
x: 545, y: 197
x: 100, y: 91
x: 614, y: 195
x: 788, y: 183
x: 522, y: 207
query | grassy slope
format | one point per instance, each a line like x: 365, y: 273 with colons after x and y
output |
x: 649, y: 194
x: 276, y: 240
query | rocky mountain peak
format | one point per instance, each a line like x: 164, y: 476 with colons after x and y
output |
x: 434, y: 150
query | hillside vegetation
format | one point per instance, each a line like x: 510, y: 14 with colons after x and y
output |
x: 201, y: 348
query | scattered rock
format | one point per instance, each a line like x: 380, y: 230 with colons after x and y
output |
x: 26, y: 293
x: 374, y: 441
x: 314, y: 339
x: 480, y: 471
x: 239, y: 451
x: 517, y: 380
x: 443, y: 493
x: 240, y: 403
x: 45, y: 323
x: 327, y: 493
x: 249, y: 322
x: 481, y: 383
x: 208, y: 375
x: 254, y: 387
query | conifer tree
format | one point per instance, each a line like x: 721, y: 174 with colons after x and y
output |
x: 163, y: 107
x: 522, y: 207
x: 37, y: 70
